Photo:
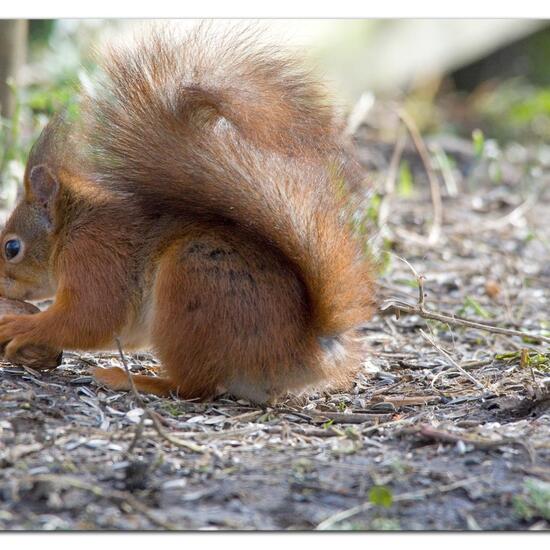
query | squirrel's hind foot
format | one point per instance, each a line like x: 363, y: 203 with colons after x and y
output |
x: 117, y: 379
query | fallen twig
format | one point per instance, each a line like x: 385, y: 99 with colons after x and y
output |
x: 153, y: 416
x: 396, y: 306
x: 347, y: 418
x: 393, y: 423
x: 465, y: 373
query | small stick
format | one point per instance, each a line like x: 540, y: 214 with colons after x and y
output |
x: 419, y: 309
x: 392, y: 423
x: 348, y: 418
x: 137, y: 435
x: 152, y: 415
x: 398, y: 306
x: 465, y: 373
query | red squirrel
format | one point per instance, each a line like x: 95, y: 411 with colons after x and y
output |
x: 194, y: 206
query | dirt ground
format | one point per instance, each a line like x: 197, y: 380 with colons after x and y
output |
x: 447, y: 427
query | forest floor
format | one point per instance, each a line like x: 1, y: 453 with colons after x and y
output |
x: 446, y: 428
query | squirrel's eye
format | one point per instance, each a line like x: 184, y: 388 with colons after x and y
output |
x: 12, y: 248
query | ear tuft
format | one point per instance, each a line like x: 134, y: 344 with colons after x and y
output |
x: 43, y: 185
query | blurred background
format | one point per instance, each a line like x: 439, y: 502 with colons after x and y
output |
x: 481, y: 84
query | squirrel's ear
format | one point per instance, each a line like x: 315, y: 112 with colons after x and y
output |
x: 43, y: 186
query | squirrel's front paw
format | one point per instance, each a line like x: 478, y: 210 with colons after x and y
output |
x: 35, y: 356
x: 16, y: 332
x: 17, y: 327
x: 18, y: 341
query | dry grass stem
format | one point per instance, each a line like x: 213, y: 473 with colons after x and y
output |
x: 154, y: 416
x: 437, y: 203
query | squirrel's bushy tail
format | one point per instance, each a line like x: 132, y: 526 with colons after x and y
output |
x: 236, y: 131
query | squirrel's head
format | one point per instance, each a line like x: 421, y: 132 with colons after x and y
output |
x: 26, y: 242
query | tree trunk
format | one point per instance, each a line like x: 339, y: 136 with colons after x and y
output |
x: 13, y: 46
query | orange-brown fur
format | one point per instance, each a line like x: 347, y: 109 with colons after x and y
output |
x: 196, y: 208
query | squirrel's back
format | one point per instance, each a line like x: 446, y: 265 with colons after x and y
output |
x: 219, y: 128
